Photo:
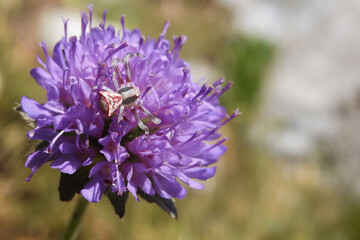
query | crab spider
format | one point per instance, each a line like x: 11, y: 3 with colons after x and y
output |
x: 125, y: 96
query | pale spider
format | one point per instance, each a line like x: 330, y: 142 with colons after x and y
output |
x: 125, y: 95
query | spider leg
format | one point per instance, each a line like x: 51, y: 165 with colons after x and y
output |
x: 116, y: 72
x: 121, y: 112
x: 107, y: 89
x: 154, y: 92
x: 148, y: 114
x: 130, y: 55
x: 140, y: 123
x: 126, y: 61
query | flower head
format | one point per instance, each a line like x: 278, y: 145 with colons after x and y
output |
x: 124, y: 116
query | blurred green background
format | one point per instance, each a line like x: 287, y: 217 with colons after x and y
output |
x: 252, y: 196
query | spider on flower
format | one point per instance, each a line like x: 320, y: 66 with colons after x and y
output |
x: 126, y: 95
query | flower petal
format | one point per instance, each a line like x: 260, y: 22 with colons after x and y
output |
x: 42, y: 77
x: 190, y: 182
x: 200, y: 172
x: 36, y: 160
x: 34, y: 109
x: 66, y: 164
x: 94, y: 189
x: 168, y: 188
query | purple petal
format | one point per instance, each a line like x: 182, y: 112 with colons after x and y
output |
x: 52, y: 67
x: 55, y: 107
x: 159, y: 188
x: 171, y: 157
x: 117, y: 178
x: 46, y: 134
x: 42, y: 77
x: 94, y: 189
x: 61, y: 122
x: 58, y: 55
x: 168, y: 188
x: 88, y: 161
x: 105, y: 140
x: 96, y: 34
x: 67, y: 164
x: 200, y: 172
x: 36, y: 160
x: 98, y: 166
x: 108, y: 155
x: 96, y: 129
x: 213, y: 154
x: 34, y: 109
x: 82, y: 126
x: 188, y: 181
x: 131, y: 186
x: 85, y: 88
x: 67, y: 148
x: 144, y: 183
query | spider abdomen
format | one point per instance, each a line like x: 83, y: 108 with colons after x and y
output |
x: 110, y: 101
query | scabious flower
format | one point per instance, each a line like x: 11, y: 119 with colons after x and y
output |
x: 124, y: 116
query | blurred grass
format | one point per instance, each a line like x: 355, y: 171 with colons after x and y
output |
x: 252, y: 196
x: 245, y: 62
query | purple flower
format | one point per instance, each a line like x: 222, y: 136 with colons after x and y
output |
x: 124, y: 116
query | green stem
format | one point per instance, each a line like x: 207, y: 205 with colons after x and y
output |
x: 72, y: 229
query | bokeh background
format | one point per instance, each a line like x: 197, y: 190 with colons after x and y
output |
x: 292, y: 166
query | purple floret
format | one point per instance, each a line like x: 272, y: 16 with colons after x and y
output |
x: 75, y: 133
